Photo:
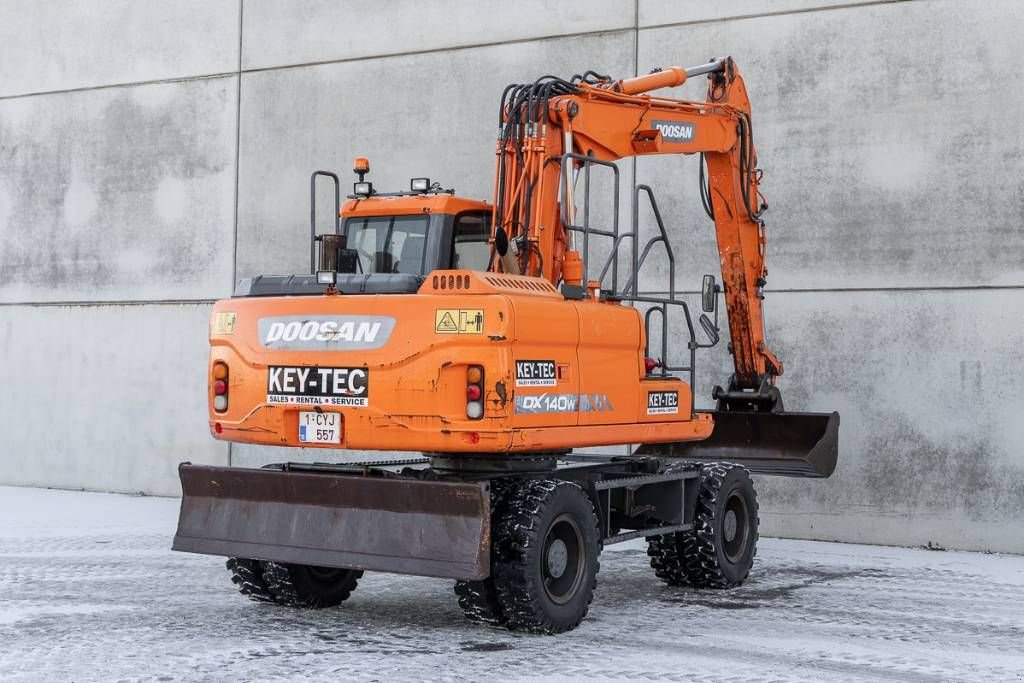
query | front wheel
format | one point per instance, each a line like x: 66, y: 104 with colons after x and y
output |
x: 545, y: 565
x: 719, y: 551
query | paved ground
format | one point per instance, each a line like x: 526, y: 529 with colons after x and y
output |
x: 89, y: 590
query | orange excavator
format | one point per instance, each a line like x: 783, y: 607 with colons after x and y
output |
x: 497, y: 339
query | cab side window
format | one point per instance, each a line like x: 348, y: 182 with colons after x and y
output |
x: 470, y: 250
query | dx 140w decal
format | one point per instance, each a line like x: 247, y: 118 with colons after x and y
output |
x: 562, y: 403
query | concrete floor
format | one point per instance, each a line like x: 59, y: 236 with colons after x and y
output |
x: 89, y: 590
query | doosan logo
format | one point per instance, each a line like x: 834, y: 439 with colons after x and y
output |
x: 331, y: 332
x: 675, y: 132
x: 322, y: 331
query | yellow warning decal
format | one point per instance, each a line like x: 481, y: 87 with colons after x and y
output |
x: 459, y: 321
x: 224, y: 323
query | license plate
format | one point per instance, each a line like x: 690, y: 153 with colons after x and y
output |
x: 320, y: 427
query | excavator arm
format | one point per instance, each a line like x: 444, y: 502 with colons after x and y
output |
x: 596, y: 117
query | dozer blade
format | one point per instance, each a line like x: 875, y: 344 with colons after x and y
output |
x: 409, y: 526
x: 783, y: 444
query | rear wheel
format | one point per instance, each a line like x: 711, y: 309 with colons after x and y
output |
x: 301, y: 585
x: 545, y: 566
x: 247, y: 575
x: 719, y: 551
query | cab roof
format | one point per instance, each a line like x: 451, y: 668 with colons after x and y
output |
x: 407, y: 204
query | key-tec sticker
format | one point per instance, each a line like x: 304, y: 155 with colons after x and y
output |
x: 345, y: 387
x: 536, y: 373
x: 662, y: 402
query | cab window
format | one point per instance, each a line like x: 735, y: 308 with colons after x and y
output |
x: 470, y: 250
x: 389, y: 244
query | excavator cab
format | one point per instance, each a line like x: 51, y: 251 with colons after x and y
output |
x: 385, y: 242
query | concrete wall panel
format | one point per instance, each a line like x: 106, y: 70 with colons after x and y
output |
x: 46, y: 46
x: 892, y: 156
x: 104, y: 397
x: 118, y: 193
x: 298, y: 120
x: 277, y: 33
x: 658, y: 12
x: 930, y: 440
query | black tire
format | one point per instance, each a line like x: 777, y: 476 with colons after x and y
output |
x: 247, y: 575
x: 546, y: 561
x: 479, y: 599
x: 719, y: 551
x: 300, y: 585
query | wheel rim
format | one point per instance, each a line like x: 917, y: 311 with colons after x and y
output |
x: 735, y: 527
x: 563, y: 560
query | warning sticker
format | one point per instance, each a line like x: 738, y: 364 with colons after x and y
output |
x: 459, y: 321
x: 224, y: 323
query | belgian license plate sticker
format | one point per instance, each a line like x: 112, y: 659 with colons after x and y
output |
x: 319, y: 427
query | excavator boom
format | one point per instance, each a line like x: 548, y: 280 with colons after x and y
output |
x: 597, y: 118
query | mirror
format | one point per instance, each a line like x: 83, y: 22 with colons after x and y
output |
x: 709, y: 294
x: 500, y: 241
x: 709, y: 328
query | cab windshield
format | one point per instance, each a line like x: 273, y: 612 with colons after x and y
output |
x: 389, y: 244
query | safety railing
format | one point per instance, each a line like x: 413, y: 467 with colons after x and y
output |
x: 652, y: 305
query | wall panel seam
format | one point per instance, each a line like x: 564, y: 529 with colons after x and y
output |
x: 126, y: 84
x: 780, y: 13
x: 514, y: 41
x: 99, y: 304
x: 437, y: 50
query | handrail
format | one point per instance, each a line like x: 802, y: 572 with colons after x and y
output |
x: 658, y: 304
x: 587, y: 162
x: 312, y: 213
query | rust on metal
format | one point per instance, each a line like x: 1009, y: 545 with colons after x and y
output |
x: 410, y: 526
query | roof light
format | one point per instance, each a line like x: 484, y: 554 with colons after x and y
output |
x: 326, y: 277
x: 361, y: 165
x: 419, y: 184
x: 364, y: 189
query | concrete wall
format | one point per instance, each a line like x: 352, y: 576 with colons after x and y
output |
x: 149, y: 156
